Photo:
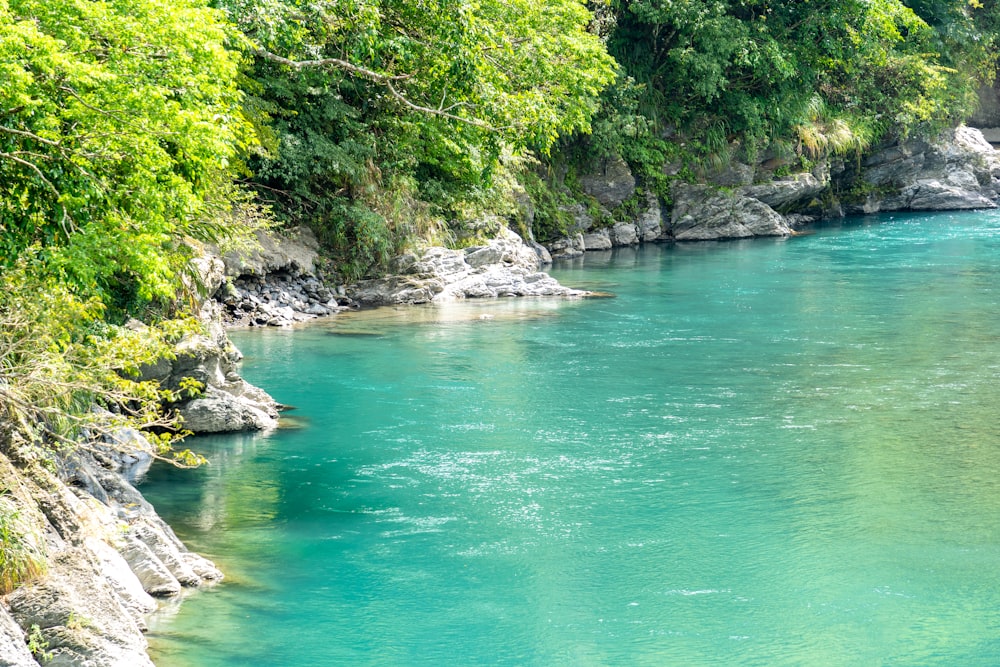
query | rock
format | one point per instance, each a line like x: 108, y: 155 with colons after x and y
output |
x: 543, y: 253
x: 703, y: 213
x: 218, y: 411
x: 440, y: 274
x: 116, y: 570
x: 650, y: 220
x: 152, y: 574
x: 957, y: 170
x: 611, y: 184
x: 730, y: 175
x: 210, y: 274
x: 294, y: 252
x: 481, y: 256
x: 624, y: 234
x: 786, y: 192
x: 13, y: 648
x: 582, y: 219
x: 165, y: 550
x: 599, y: 239
x: 79, y: 615
x: 568, y: 247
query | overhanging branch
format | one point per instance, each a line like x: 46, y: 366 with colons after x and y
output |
x: 386, y: 80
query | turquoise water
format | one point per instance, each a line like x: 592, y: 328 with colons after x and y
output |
x: 776, y: 452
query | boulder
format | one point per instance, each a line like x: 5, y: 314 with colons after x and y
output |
x: 959, y: 169
x: 703, y: 213
x: 220, y: 411
x: 650, y: 220
x: 79, y: 615
x: 294, y: 252
x: 567, y: 247
x: 13, y: 647
x: 598, y: 239
x: 786, y: 192
x: 624, y: 234
x: 505, y: 266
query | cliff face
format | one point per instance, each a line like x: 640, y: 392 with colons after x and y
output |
x: 957, y: 170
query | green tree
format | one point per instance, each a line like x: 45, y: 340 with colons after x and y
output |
x: 367, y: 96
x: 119, y: 124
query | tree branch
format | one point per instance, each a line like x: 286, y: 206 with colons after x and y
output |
x: 364, y: 72
x: 385, y: 79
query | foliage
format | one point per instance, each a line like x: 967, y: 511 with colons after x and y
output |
x: 19, y: 560
x: 364, y: 95
x: 119, y: 122
x: 38, y: 644
x: 724, y: 77
x: 65, y: 373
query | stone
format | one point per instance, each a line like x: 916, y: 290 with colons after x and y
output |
x: 13, y: 647
x: 650, y: 220
x: 624, y: 234
x: 80, y: 615
x: 498, y: 269
x: 153, y: 575
x: 958, y: 170
x: 218, y: 411
x: 598, y: 239
x: 703, y: 213
x: 568, y: 247
x: 294, y: 252
x: 786, y: 192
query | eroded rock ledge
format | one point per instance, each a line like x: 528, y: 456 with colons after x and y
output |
x: 108, y: 554
x: 505, y: 266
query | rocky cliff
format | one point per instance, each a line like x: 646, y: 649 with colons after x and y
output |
x: 956, y: 170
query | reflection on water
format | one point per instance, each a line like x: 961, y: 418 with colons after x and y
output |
x: 759, y: 453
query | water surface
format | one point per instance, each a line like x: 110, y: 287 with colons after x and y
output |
x: 775, y: 452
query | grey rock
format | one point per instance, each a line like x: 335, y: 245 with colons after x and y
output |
x: 439, y: 274
x: 650, y: 220
x: 152, y: 574
x: 732, y: 174
x: 80, y: 615
x: 544, y: 257
x: 624, y: 234
x: 568, y: 247
x: 294, y: 252
x: 218, y: 411
x: 598, y: 239
x: 703, y: 213
x: 957, y: 170
x: 786, y: 192
x: 13, y: 648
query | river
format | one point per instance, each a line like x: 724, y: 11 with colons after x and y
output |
x: 767, y: 452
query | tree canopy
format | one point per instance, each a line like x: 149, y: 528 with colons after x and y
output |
x: 131, y: 128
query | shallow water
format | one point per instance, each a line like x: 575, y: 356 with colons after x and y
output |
x: 775, y: 452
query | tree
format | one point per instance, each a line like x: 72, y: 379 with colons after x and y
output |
x: 119, y: 124
x: 370, y: 96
